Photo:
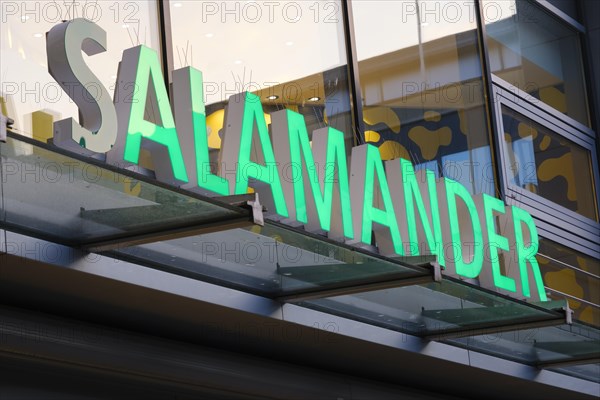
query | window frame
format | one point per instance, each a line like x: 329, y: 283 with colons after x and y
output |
x: 548, y: 226
x: 354, y: 92
x: 166, y: 42
x: 561, y: 15
x: 548, y: 231
x: 543, y: 210
x: 506, y: 95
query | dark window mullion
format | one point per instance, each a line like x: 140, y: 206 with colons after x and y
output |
x: 353, y: 73
x: 166, y: 39
x: 492, y: 122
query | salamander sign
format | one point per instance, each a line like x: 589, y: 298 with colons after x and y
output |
x: 409, y: 212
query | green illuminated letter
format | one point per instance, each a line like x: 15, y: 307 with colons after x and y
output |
x: 527, y: 253
x: 191, y: 117
x: 473, y: 268
x: 140, y: 77
x: 366, y: 169
x: 293, y: 147
x: 241, y: 120
x: 412, y: 192
x: 496, y: 241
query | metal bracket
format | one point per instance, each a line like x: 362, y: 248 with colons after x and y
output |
x: 237, y: 199
x: 568, y: 313
x: 257, y: 210
x: 5, y: 122
x: 437, y: 271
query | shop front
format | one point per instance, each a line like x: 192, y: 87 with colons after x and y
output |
x: 159, y: 242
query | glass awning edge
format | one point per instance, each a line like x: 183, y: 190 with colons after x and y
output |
x: 548, y: 314
x: 428, y: 273
x: 83, y: 202
x: 496, y: 328
x: 186, y: 230
x: 581, y: 360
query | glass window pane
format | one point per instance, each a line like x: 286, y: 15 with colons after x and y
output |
x: 291, y: 54
x: 29, y: 95
x: 422, y: 87
x: 568, y: 272
x: 543, y: 162
x: 538, y: 53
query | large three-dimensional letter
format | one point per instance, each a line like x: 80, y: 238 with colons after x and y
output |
x: 98, y: 130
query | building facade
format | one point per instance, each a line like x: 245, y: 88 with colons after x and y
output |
x: 187, y: 254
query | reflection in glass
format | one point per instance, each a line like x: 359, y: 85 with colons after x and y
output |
x: 268, y: 260
x: 537, y: 53
x: 543, y: 162
x: 564, y: 343
x: 591, y: 372
x: 291, y: 54
x: 70, y: 201
x: 422, y: 87
x: 28, y: 94
x: 568, y: 273
x: 430, y: 309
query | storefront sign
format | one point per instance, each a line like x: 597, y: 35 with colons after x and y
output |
x: 410, y: 212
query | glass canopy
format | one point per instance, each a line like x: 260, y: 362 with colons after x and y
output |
x: 574, y: 348
x: 80, y: 202
x: 278, y: 262
x: 438, y: 310
x: 590, y: 372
